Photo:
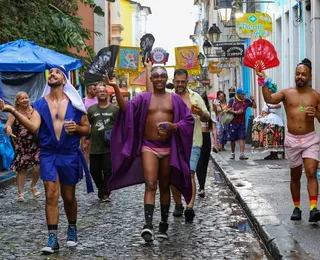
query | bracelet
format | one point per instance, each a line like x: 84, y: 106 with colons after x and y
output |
x: 13, y: 112
x: 264, y: 81
x: 267, y: 82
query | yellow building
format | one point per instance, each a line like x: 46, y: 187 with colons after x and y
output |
x: 127, y: 11
x: 133, y: 19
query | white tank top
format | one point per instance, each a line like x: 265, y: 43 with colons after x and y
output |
x: 213, y: 119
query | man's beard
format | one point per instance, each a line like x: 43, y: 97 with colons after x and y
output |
x: 300, y: 85
x: 180, y: 90
x: 58, y: 83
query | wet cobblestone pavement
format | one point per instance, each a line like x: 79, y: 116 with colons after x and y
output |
x: 112, y: 230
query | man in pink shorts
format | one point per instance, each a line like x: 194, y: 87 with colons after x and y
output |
x: 302, y: 105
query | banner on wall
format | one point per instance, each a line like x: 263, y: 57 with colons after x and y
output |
x: 128, y: 60
x: 140, y: 79
x: 186, y: 58
x: 192, y: 81
x: 253, y: 25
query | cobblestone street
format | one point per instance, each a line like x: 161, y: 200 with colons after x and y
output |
x: 112, y: 230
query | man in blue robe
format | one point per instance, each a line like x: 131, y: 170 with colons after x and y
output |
x: 61, y: 121
x: 152, y: 140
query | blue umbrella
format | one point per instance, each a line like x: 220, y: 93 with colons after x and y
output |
x: 26, y: 56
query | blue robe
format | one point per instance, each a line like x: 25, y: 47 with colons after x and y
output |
x: 64, y: 156
x: 126, y: 143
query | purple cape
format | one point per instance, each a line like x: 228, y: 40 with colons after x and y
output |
x: 126, y: 143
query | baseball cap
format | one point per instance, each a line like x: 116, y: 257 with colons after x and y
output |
x: 240, y: 91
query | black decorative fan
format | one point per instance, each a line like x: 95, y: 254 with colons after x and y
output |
x: 146, y: 43
x: 103, y: 63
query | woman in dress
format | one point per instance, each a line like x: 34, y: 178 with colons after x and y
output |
x: 268, y: 131
x: 203, y: 162
x: 26, y: 147
x: 221, y: 104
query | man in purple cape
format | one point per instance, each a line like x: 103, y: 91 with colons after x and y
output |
x: 152, y: 140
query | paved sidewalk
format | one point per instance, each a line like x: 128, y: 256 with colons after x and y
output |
x: 112, y: 230
x: 263, y: 189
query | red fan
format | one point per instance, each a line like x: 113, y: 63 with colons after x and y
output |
x: 261, y: 54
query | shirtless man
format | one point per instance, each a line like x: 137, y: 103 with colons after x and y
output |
x: 61, y: 160
x: 198, y: 108
x: 158, y: 121
x: 302, y: 105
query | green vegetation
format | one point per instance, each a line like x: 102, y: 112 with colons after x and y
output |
x: 52, y: 24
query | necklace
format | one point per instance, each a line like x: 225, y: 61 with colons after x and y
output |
x: 241, y: 100
x: 25, y: 112
x: 301, y: 107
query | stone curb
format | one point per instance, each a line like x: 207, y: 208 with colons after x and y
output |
x: 7, y: 179
x: 274, y: 235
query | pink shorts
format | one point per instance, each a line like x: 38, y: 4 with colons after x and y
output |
x: 301, y: 146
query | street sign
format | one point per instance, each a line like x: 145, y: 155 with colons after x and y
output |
x: 232, y: 51
x: 159, y: 55
x: 252, y: 25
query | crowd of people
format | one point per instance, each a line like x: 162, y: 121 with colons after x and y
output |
x: 163, y: 137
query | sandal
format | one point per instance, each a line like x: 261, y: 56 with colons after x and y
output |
x: 201, y: 193
x: 21, y: 197
x: 35, y: 192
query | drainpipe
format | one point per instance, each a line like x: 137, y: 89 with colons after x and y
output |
x: 315, y: 54
x: 315, y: 32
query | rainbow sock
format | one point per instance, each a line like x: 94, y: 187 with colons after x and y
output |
x: 296, y: 202
x: 313, y: 202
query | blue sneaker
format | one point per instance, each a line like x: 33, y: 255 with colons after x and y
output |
x: 72, y: 236
x: 52, y: 246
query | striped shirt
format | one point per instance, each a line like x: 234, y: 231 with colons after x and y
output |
x: 236, y: 105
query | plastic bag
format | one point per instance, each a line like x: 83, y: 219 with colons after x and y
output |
x: 225, y: 118
x: 6, y: 149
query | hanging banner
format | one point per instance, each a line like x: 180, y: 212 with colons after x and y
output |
x: 213, y: 67
x: 140, y: 79
x: 192, y: 81
x: 186, y: 58
x: 253, y: 25
x: 128, y: 60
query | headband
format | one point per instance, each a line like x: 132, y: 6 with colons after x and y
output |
x: 61, y: 68
x: 159, y: 70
